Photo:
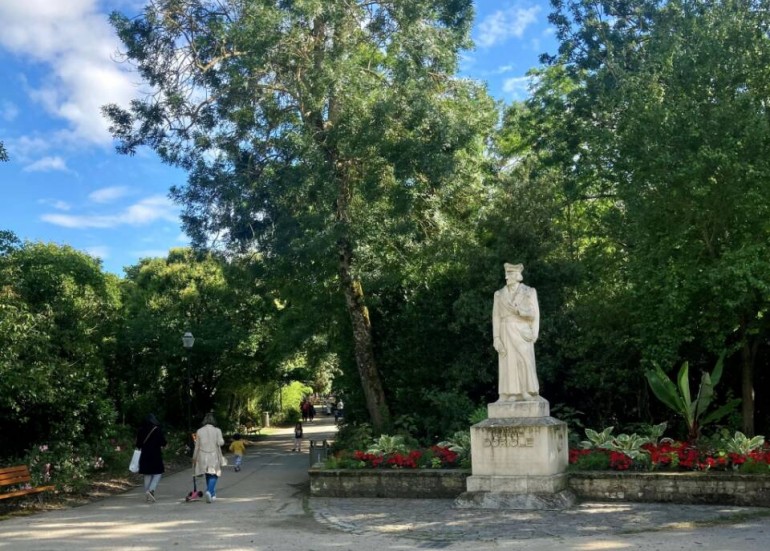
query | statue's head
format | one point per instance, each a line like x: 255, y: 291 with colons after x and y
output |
x: 513, y: 272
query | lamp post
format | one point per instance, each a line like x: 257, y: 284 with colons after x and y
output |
x: 187, y: 341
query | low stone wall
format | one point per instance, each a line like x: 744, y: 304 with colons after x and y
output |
x: 722, y: 488
x: 714, y: 487
x: 393, y: 483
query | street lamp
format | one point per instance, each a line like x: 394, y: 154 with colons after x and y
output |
x: 187, y: 341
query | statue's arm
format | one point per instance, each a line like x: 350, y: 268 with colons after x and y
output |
x: 496, y: 341
x: 535, y: 316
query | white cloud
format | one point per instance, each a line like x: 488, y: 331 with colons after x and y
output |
x: 47, y: 164
x: 108, y: 194
x: 8, y: 111
x: 502, y: 25
x: 26, y: 148
x: 56, y: 204
x: 143, y: 213
x: 517, y: 87
x: 75, y: 44
x: 99, y: 251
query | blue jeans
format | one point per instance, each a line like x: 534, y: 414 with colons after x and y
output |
x: 151, y: 482
x: 211, y: 484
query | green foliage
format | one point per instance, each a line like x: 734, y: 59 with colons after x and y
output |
x: 478, y: 415
x: 287, y: 417
x: 339, y: 149
x: 292, y: 395
x: 220, y: 302
x: 57, y: 319
x: 573, y: 418
x: 631, y: 445
x: 343, y: 460
x: 628, y: 444
x: 387, y: 444
x: 353, y: 436
x: 754, y: 467
x: 597, y: 461
x: 741, y: 444
x: 677, y: 396
x: 460, y: 443
x: 598, y: 439
x: 660, y: 135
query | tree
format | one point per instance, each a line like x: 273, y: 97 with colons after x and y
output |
x: 3, y: 153
x: 673, y: 97
x: 320, y: 133
x: 220, y: 303
x: 57, y: 314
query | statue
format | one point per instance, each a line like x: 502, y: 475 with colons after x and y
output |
x: 515, y: 327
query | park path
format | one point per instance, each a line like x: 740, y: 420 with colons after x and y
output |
x: 261, y: 507
x: 265, y: 507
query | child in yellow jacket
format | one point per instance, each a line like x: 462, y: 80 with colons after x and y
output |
x: 238, y: 447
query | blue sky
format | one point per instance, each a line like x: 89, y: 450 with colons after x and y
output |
x: 65, y: 182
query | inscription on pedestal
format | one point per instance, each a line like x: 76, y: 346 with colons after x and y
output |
x: 510, y: 437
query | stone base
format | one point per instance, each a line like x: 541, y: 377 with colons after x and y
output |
x: 537, y: 406
x: 519, y: 447
x: 523, y: 484
x: 508, y: 500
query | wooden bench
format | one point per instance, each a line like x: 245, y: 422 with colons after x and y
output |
x: 19, y: 476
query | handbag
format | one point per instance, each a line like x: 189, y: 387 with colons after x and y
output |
x: 222, y: 459
x: 133, y: 466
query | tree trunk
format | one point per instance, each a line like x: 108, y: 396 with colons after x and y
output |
x: 351, y: 286
x: 748, y: 353
x: 359, y: 318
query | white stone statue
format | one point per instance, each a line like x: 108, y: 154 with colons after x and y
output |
x: 515, y: 326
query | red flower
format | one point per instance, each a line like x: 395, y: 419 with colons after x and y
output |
x: 620, y: 461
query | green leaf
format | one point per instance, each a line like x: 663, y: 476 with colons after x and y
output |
x: 664, y: 389
x: 683, y: 379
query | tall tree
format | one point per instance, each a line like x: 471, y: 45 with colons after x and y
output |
x: 219, y: 303
x: 315, y: 131
x: 674, y: 100
x: 57, y: 317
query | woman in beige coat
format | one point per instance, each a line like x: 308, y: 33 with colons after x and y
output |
x: 207, y: 457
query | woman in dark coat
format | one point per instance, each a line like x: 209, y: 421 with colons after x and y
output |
x: 150, y: 440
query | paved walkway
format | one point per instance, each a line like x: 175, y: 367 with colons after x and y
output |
x: 265, y: 507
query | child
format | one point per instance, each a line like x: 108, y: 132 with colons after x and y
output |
x: 297, y: 438
x: 238, y: 447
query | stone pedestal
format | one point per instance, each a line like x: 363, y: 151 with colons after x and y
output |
x: 520, y: 457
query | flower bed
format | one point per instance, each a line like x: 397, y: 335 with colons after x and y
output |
x: 672, y: 456
x: 435, y: 457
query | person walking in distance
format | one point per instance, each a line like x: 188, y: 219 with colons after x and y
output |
x: 151, y: 440
x: 297, y: 438
x: 207, y: 457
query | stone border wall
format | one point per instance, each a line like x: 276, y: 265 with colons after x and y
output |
x: 394, y: 483
x: 721, y: 488
x: 715, y: 488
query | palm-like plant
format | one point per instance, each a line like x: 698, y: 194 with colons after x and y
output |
x: 678, y: 398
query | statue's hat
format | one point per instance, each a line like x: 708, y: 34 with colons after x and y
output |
x: 513, y: 267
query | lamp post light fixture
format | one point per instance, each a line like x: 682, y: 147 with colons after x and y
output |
x: 187, y: 341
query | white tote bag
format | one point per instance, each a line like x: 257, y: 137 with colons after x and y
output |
x: 134, y: 465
